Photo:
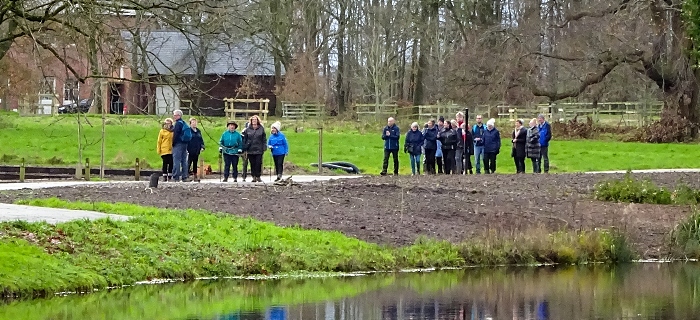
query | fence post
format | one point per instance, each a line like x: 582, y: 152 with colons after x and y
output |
x: 87, y: 169
x: 200, y: 170
x: 21, y: 171
x: 320, y: 149
x: 137, y: 170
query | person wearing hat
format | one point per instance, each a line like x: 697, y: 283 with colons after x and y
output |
x: 231, y: 145
x: 277, y: 143
x: 492, y: 146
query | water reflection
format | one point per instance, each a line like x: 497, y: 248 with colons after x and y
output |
x: 640, y: 291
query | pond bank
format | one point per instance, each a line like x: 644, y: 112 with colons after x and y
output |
x: 40, y: 259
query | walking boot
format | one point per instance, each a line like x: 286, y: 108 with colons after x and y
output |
x: 225, y: 180
x: 279, y: 177
x: 165, y: 178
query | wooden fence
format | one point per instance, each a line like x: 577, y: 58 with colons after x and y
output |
x: 231, y: 110
x: 302, y: 111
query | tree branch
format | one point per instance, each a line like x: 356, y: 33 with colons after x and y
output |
x: 607, y: 63
x: 595, y: 14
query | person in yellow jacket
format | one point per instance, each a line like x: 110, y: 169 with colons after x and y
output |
x: 165, y: 148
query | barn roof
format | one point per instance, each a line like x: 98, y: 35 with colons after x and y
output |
x: 176, y: 53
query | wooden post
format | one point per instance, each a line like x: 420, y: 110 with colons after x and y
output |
x: 87, y: 169
x: 137, y: 170
x: 22, y: 171
x: 200, y: 170
x: 320, y: 150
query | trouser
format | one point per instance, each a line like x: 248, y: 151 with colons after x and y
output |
x: 180, y: 161
x: 489, y: 162
x: 255, y: 161
x: 448, y: 155
x: 167, y: 164
x: 467, y: 163
x: 459, y: 161
x: 429, y: 161
x: 245, y: 165
x: 385, y: 165
x: 544, y: 158
x: 230, y: 162
x: 279, y: 165
x: 192, y: 160
x: 415, y: 163
x: 519, y: 164
x: 536, y: 165
x: 478, y: 156
x: 439, y: 163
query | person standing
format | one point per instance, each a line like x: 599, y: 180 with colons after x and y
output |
x: 459, y: 148
x: 533, y: 145
x: 181, y: 138
x: 519, y: 141
x: 255, y: 141
x: 391, y: 135
x: 165, y: 148
x: 277, y: 143
x: 478, y: 135
x: 448, y: 138
x: 492, y: 146
x: 194, y: 148
x: 545, y: 136
x: 412, y: 145
x: 439, y: 161
x: 244, y: 155
x: 467, y: 147
x: 231, y: 146
x: 430, y: 146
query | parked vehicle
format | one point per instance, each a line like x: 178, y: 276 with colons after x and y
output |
x: 83, y: 106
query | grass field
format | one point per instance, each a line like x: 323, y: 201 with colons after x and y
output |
x: 54, y: 141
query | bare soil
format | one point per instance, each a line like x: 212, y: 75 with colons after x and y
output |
x: 397, y: 210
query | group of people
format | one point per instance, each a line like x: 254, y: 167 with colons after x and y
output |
x: 449, y: 145
x: 179, y: 146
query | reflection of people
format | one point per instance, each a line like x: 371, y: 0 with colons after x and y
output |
x: 277, y: 313
x: 543, y: 310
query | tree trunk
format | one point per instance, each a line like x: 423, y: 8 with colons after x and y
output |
x: 340, y: 80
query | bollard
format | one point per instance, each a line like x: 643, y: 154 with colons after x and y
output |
x: 137, y: 170
x: 320, y: 150
x: 87, y: 169
x: 200, y: 170
x: 21, y: 171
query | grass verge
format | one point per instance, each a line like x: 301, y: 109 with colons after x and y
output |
x: 163, y: 243
x: 629, y: 189
x: 54, y: 141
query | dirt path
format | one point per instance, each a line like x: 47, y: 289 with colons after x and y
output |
x: 397, y: 210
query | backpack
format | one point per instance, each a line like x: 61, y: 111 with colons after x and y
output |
x: 186, y: 135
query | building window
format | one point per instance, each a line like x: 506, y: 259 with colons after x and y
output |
x: 71, y: 90
x: 48, y: 85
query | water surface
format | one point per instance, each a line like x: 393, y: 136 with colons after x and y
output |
x: 636, y: 291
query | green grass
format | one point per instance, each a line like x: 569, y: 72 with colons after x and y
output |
x: 629, y: 189
x: 54, y: 141
x: 163, y: 243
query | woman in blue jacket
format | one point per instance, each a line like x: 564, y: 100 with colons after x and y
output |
x: 277, y: 143
x: 231, y: 145
x: 412, y: 145
x: 492, y: 146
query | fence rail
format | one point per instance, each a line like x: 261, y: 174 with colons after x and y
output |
x: 231, y: 110
x: 302, y: 111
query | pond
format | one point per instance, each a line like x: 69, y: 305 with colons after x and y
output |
x: 634, y: 291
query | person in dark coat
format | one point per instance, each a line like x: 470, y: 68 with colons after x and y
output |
x: 492, y: 146
x: 448, y: 138
x: 194, y: 147
x: 244, y: 156
x: 255, y: 142
x: 391, y: 135
x: 412, y: 145
x: 532, y: 145
x: 545, y: 137
x: 430, y: 146
x: 468, y: 147
x: 519, y: 137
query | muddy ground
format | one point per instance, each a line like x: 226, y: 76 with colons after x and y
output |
x: 397, y: 210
